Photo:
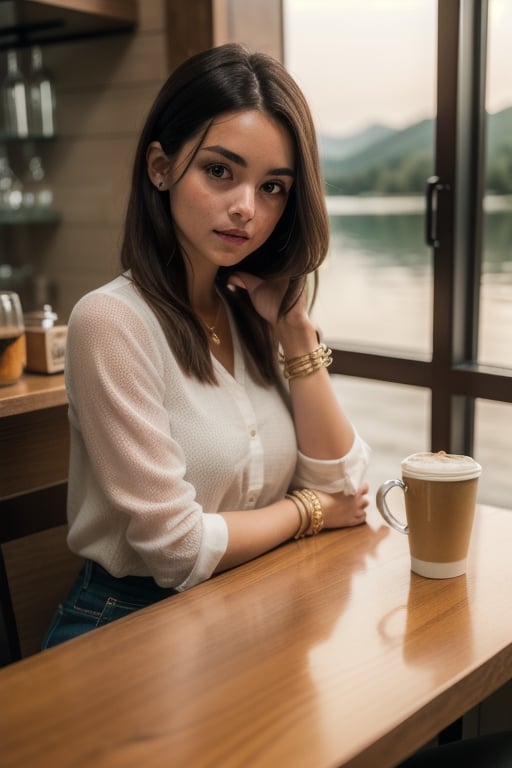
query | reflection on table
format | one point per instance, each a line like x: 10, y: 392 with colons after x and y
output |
x: 327, y: 651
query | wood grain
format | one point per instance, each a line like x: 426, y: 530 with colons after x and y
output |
x: 35, y: 450
x: 40, y: 569
x: 326, y: 652
x: 32, y: 393
x: 125, y: 10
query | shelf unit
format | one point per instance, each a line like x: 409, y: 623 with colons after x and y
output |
x: 25, y: 23
x: 29, y: 22
x: 24, y: 216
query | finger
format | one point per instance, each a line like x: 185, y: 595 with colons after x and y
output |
x: 235, y: 282
x: 244, y: 280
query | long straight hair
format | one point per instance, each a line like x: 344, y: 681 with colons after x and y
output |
x: 214, y: 82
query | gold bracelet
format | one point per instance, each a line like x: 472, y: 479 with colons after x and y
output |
x: 310, y: 512
x: 305, y: 520
x: 317, y: 515
x: 303, y: 365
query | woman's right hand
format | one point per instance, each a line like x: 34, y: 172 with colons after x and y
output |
x: 342, y: 510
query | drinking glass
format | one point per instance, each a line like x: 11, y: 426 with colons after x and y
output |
x: 12, y: 338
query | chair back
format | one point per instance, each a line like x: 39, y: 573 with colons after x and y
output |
x: 36, y: 568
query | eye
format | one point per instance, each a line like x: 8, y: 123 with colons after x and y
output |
x: 217, y: 171
x: 274, y: 188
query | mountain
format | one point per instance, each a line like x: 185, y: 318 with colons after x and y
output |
x: 499, y: 130
x: 337, y: 148
x: 382, y: 160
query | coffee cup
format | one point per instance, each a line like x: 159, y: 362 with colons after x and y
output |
x: 12, y: 338
x: 440, y: 491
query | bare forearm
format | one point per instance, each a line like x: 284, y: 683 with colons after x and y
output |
x: 323, y: 430
x: 255, y: 531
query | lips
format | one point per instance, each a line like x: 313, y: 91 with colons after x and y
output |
x: 232, y: 235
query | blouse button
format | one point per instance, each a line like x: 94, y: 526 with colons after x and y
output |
x: 253, y: 433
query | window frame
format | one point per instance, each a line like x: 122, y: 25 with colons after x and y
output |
x: 452, y: 375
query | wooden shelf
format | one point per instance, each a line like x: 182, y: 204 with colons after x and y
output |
x: 9, y: 138
x: 37, y: 22
x: 33, y: 392
x: 30, y: 216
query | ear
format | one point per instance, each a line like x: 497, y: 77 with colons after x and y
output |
x: 158, y: 165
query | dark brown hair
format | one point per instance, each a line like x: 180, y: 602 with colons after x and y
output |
x: 220, y: 80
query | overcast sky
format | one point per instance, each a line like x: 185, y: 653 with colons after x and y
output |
x: 367, y: 61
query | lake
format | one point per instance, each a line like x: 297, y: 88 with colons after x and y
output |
x: 376, y: 289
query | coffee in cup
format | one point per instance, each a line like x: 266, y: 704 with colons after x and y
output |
x: 12, y: 338
x: 440, y: 491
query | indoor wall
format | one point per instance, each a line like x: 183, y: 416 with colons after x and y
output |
x: 104, y: 88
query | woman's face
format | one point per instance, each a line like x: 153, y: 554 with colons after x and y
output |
x: 229, y: 199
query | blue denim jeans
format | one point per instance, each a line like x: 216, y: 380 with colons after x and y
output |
x: 97, y: 598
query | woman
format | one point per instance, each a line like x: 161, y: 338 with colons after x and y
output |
x: 204, y: 428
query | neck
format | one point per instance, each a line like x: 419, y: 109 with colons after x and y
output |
x: 202, y: 290
x: 208, y: 306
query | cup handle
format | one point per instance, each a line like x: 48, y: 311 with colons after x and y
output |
x: 383, y: 508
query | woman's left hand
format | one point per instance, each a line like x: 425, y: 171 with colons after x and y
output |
x: 267, y: 295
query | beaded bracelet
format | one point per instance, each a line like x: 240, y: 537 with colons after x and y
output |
x: 310, y: 512
x: 303, y: 365
x: 317, y: 515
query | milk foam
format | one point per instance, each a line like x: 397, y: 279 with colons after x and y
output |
x: 441, y: 467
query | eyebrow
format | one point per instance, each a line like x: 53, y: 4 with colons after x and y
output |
x: 229, y: 155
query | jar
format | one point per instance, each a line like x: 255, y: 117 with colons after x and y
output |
x: 46, y: 341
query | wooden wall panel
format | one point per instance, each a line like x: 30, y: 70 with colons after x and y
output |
x: 189, y: 32
x: 99, y: 198
x: 83, y: 257
x: 151, y: 14
x: 38, y: 450
x: 114, y: 112
x: 258, y: 25
x: 122, y: 60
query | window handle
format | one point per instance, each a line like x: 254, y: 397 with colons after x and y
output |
x: 434, y: 186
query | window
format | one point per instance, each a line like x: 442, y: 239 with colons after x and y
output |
x: 495, y: 328
x: 369, y: 73
x: 415, y: 329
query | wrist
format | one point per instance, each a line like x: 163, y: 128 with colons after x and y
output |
x: 297, y: 338
x: 310, y: 512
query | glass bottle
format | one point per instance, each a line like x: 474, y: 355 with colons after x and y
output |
x: 15, y: 97
x: 36, y: 192
x: 11, y: 188
x: 41, y: 96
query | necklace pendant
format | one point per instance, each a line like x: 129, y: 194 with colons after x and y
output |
x: 214, y: 336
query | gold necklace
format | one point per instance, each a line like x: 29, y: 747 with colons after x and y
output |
x: 214, y: 336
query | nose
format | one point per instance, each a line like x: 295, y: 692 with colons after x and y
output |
x: 243, y: 203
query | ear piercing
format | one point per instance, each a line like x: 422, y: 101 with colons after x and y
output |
x: 160, y: 184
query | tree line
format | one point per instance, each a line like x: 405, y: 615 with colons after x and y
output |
x: 408, y: 175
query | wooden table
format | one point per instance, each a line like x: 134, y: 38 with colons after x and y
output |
x: 326, y: 652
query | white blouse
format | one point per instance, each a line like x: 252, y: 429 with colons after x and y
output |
x: 154, y: 452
